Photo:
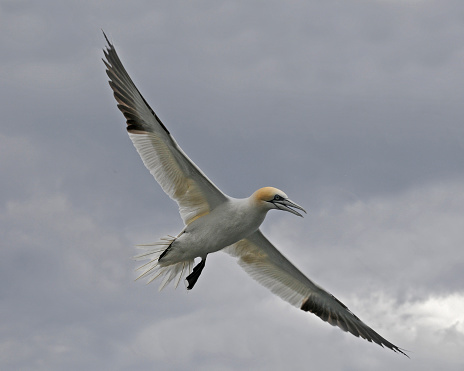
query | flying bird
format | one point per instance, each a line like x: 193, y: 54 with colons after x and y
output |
x: 214, y: 221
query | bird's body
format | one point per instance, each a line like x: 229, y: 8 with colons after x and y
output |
x: 214, y: 221
x: 209, y: 233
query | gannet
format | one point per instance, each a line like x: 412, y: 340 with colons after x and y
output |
x: 214, y: 221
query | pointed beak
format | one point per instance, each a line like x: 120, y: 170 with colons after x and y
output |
x: 287, y: 204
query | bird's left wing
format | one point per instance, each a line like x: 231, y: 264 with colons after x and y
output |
x: 179, y: 177
x: 262, y: 261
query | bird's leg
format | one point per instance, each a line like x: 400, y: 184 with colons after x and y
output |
x: 193, y: 277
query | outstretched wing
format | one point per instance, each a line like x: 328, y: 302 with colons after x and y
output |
x: 262, y: 261
x: 179, y: 177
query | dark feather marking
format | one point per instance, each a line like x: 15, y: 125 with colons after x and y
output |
x: 131, y: 127
x: 119, y: 78
x: 353, y: 324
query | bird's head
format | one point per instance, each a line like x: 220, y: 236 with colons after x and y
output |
x: 273, y: 198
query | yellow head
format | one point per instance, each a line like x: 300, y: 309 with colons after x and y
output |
x: 268, y: 194
x: 273, y: 198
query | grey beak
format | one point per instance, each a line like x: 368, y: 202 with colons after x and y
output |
x: 286, y: 204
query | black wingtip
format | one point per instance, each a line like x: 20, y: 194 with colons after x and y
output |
x: 402, y: 351
x: 107, y: 40
x: 314, y: 305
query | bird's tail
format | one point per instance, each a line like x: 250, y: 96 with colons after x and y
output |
x: 153, y: 270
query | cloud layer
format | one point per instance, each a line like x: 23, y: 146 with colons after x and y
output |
x: 353, y: 108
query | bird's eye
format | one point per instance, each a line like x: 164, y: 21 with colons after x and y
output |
x: 277, y: 198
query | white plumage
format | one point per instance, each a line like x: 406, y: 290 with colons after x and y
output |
x: 214, y: 221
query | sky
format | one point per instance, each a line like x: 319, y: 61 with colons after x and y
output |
x: 353, y: 108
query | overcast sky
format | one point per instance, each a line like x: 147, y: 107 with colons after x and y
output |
x: 353, y: 108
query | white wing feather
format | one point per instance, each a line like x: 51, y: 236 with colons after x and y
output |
x: 263, y: 262
x: 179, y: 177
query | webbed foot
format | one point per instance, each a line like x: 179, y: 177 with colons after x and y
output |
x: 193, y: 277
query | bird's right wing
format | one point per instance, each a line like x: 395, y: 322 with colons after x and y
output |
x: 263, y: 262
x: 179, y: 177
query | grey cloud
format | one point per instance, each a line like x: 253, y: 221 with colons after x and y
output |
x: 353, y: 108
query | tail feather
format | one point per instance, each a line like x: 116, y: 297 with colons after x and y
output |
x: 153, y: 270
x: 172, y: 272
